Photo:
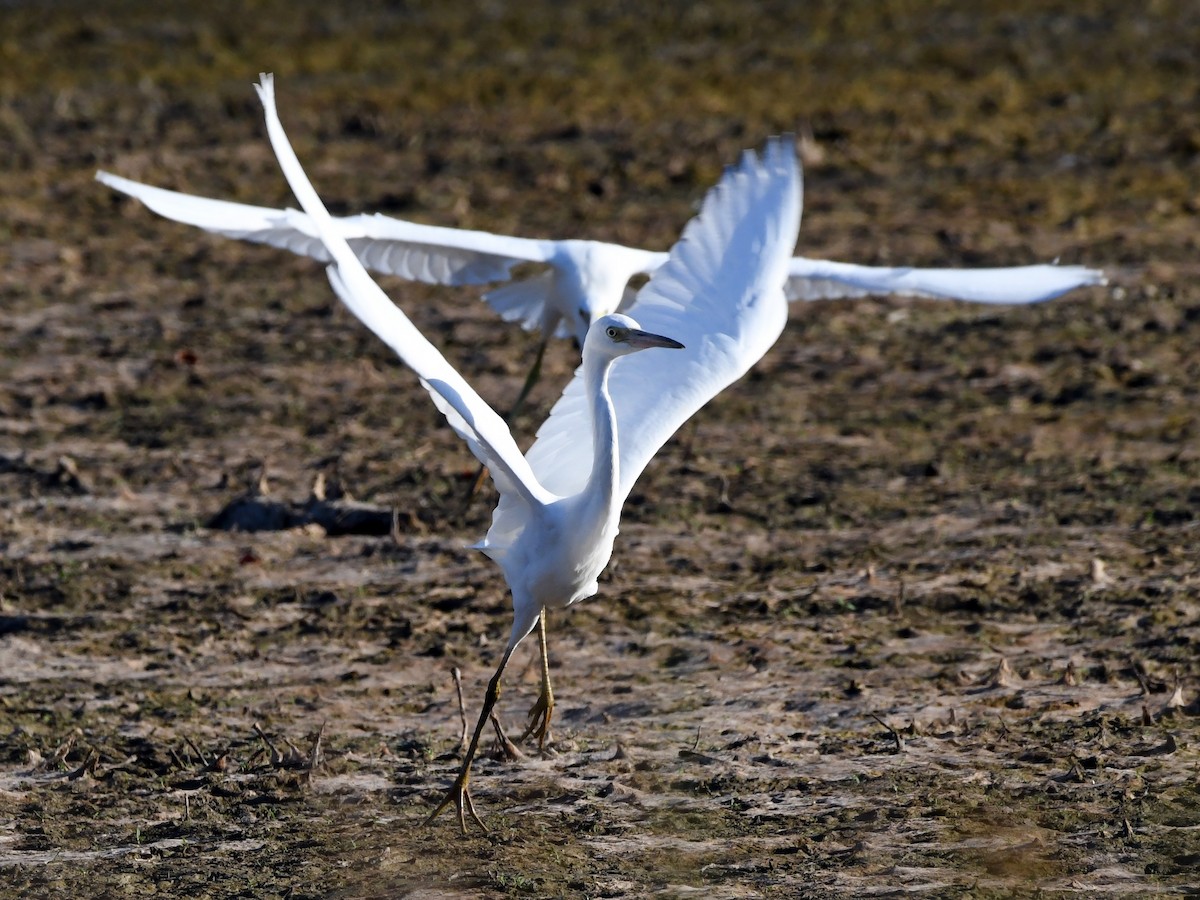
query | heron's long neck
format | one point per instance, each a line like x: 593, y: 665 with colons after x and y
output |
x: 606, y: 475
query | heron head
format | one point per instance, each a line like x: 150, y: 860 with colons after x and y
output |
x: 619, y: 335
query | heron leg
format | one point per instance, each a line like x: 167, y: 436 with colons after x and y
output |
x: 460, y: 792
x: 542, y: 710
x: 530, y: 380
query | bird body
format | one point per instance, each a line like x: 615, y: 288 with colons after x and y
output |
x: 720, y: 296
x: 552, y: 553
x: 586, y: 280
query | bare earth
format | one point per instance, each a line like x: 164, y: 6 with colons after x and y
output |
x: 914, y: 608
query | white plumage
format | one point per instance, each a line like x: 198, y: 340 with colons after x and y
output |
x: 720, y: 292
x: 585, y: 279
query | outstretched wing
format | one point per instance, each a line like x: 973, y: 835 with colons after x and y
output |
x: 720, y: 294
x: 819, y: 279
x: 427, y: 253
x: 475, y: 421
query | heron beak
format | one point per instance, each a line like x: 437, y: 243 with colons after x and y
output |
x: 644, y: 339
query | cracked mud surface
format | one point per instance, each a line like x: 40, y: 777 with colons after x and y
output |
x: 911, y: 609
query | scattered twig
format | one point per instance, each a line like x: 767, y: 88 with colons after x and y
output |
x: 294, y: 758
x: 67, y: 475
x: 1075, y: 771
x: 507, y: 748
x: 894, y: 733
x: 1176, y: 702
x: 259, y: 486
x: 276, y: 758
x: 200, y: 753
x: 293, y: 753
x: 1147, y: 682
x: 88, y: 767
x: 64, y: 749
x: 1143, y: 683
x: 315, y: 756
x: 1002, y: 675
x: 1070, y: 676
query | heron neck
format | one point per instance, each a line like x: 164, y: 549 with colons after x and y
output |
x: 605, y: 475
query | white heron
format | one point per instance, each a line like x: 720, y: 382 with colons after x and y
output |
x: 720, y: 298
x: 585, y: 279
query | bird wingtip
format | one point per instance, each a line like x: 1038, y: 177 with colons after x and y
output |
x: 266, y: 88
x: 1087, y: 276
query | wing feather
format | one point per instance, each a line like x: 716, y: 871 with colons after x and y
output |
x: 428, y: 253
x: 478, y: 424
x: 524, y: 301
x: 817, y: 279
x: 720, y: 293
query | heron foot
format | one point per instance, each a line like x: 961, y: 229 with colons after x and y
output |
x: 540, y: 715
x: 460, y: 793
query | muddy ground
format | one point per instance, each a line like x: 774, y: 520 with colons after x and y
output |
x: 913, y: 608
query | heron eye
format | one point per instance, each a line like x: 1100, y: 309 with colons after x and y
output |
x: 611, y: 332
x: 583, y: 313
